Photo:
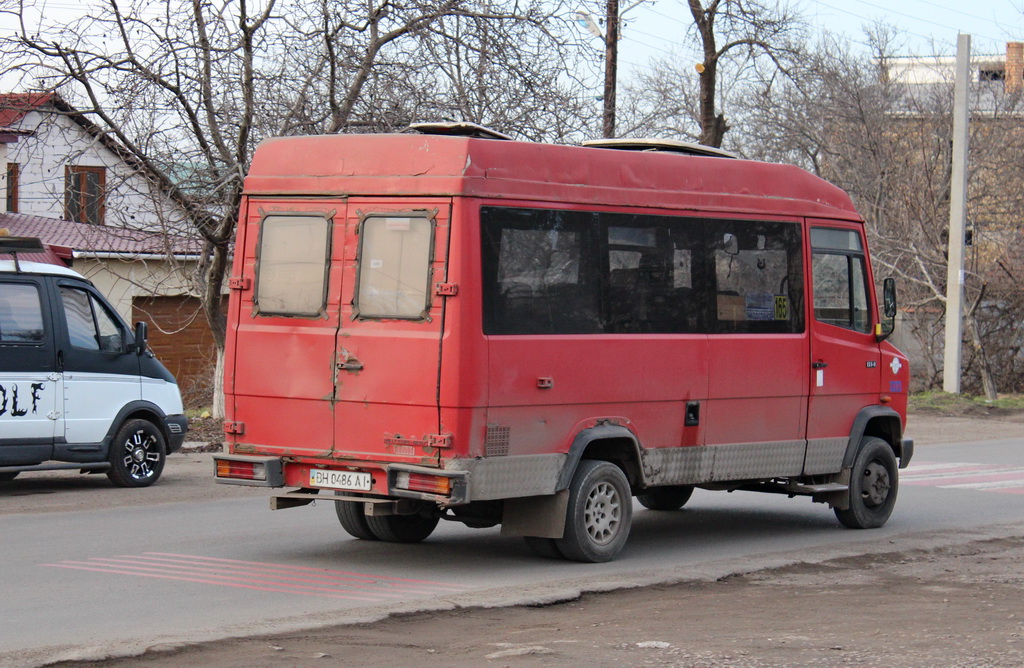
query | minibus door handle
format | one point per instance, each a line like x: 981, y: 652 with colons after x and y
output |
x: 819, y: 365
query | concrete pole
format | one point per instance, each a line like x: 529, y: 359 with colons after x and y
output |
x: 957, y: 221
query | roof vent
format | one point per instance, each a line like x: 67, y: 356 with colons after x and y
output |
x: 458, y: 130
x: 660, y: 145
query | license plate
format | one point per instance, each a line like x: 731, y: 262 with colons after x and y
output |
x: 340, y: 479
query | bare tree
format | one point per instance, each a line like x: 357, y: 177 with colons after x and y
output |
x: 739, y: 49
x: 189, y: 87
x: 850, y: 118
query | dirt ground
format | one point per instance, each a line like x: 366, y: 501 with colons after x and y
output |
x: 957, y: 605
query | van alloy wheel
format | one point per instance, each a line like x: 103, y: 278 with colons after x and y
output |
x: 599, y: 514
x: 137, y: 454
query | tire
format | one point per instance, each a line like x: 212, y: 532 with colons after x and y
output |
x: 7, y: 477
x: 401, y: 528
x: 874, y: 481
x: 137, y: 454
x: 353, y: 518
x: 599, y: 515
x: 666, y: 498
x: 543, y: 547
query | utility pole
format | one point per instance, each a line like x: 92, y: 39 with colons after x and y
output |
x: 957, y: 221
x: 611, y: 57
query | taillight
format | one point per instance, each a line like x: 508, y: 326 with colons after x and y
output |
x: 422, y: 482
x: 241, y: 470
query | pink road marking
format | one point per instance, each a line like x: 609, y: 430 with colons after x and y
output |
x: 283, y: 567
x: 161, y: 567
x: 162, y: 576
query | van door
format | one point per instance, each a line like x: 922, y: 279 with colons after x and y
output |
x: 29, y: 385
x: 757, y: 398
x: 285, y: 319
x: 845, y: 356
x: 388, y: 350
x: 100, y: 374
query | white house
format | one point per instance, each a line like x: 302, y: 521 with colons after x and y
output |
x: 59, y: 164
x: 71, y: 185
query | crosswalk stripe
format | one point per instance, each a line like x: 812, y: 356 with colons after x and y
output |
x: 299, y: 580
x: 963, y: 475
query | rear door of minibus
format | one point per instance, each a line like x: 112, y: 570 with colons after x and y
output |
x: 286, y: 315
x: 388, y: 350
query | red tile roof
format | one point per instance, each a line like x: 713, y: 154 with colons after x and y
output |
x: 94, y: 238
x: 14, y: 106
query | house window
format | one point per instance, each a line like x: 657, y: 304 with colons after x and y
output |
x: 13, y: 172
x: 84, y: 194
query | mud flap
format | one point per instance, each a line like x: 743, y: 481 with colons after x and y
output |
x: 540, y: 516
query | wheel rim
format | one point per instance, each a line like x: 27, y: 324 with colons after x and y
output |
x: 141, y: 454
x: 603, y: 513
x: 875, y: 489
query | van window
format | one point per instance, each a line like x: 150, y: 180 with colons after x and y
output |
x: 21, y: 316
x: 576, y: 272
x: 90, y: 326
x: 840, y: 279
x: 395, y: 253
x: 292, y: 265
x: 758, y: 277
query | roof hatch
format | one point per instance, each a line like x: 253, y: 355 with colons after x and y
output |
x: 459, y: 130
x: 659, y: 145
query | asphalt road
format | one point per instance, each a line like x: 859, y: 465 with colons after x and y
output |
x: 95, y: 582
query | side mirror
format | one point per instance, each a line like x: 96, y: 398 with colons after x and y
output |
x: 141, y: 337
x: 888, y: 323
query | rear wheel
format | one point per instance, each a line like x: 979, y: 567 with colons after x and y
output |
x: 137, y: 454
x: 352, y: 516
x: 666, y: 498
x: 874, y: 481
x: 543, y: 547
x: 599, y: 514
x: 401, y: 528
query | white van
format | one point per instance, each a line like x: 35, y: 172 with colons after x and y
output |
x: 78, y: 388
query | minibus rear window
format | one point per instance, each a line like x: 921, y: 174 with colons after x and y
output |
x: 292, y: 264
x: 394, y: 266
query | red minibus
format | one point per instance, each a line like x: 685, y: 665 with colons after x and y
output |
x: 447, y: 324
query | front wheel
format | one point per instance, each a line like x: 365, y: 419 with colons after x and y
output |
x: 599, y: 514
x: 137, y: 454
x: 874, y: 481
x: 401, y: 528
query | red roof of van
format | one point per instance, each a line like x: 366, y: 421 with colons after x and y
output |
x: 416, y: 164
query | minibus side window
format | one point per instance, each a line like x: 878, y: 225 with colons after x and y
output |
x: 395, y: 253
x: 539, y: 273
x: 292, y: 265
x: 840, y: 279
x: 21, y: 316
x: 758, y: 277
x: 89, y: 325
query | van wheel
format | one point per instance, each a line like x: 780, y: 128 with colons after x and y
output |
x: 352, y: 516
x: 401, y: 528
x: 666, y: 498
x: 599, y: 514
x: 543, y: 547
x: 874, y: 481
x: 7, y: 477
x: 137, y: 454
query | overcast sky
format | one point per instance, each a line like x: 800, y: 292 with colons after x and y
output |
x: 927, y: 27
